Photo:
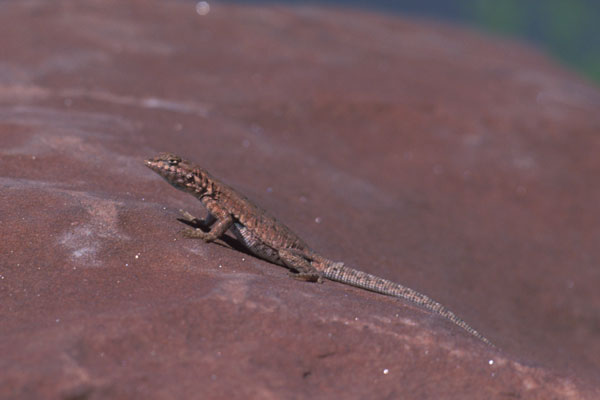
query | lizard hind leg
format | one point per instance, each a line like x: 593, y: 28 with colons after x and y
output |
x: 301, y: 268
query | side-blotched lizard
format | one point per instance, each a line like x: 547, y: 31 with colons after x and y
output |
x: 269, y: 239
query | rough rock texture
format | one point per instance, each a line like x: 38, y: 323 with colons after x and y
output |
x: 464, y: 167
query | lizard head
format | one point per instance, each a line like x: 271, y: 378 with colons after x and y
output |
x: 178, y: 172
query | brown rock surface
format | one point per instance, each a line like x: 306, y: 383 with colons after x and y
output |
x: 464, y: 167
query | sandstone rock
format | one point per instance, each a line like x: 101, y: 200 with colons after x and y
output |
x: 463, y: 166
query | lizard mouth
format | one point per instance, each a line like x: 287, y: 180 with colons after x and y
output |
x: 177, y: 172
x: 161, y: 168
x: 163, y: 161
x: 171, y: 172
x: 153, y: 165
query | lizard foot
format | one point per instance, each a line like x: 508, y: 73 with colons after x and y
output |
x: 194, y: 222
x: 190, y: 219
x: 187, y: 216
x: 307, y: 277
x: 194, y: 233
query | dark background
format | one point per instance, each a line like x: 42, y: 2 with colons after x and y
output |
x: 568, y: 30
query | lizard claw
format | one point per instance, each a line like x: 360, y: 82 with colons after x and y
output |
x: 188, y: 217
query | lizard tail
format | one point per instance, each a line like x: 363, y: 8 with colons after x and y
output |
x: 340, y: 273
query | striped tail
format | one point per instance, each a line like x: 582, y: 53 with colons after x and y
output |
x: 337, y: 271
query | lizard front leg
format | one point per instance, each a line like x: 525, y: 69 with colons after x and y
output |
x: 295, y: 261
x: 217, y: 230
x: 204, y: 224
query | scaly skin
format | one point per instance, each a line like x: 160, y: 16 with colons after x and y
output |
x: 269, y: 239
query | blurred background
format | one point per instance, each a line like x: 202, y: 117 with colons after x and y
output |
x: 567, y: 30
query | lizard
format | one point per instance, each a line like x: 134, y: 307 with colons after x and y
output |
x: 267, y: 238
